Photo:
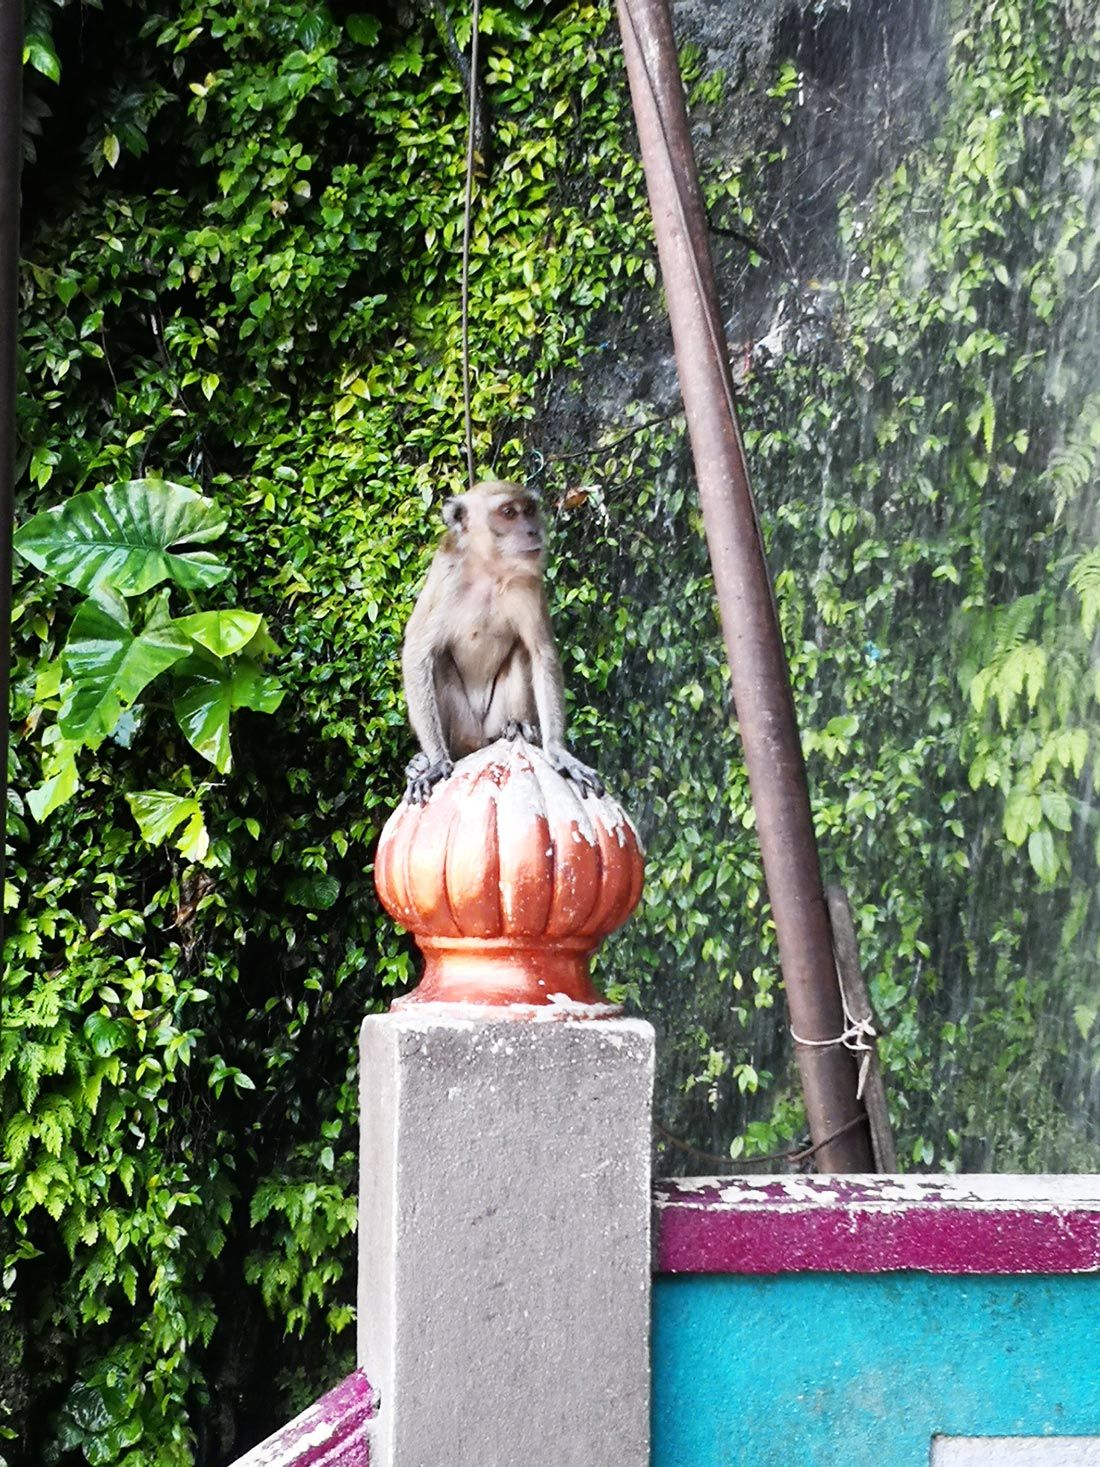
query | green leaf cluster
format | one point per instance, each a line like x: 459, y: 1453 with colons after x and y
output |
x: 117, y: 545
x: 927, y: 454
x: 241, y: 275
x: 243, y: 402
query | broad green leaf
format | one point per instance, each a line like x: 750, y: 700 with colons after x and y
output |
x: 194, y: 841
x: 1040, y: 849
x: 54, y: 791
x: 104, y: 1034
x: 38, y: 51
x: 314, y: 890
x: 1022, y: 815
x: 122, y: 537
x: 110, y: 666
x: 1057, y: 809
x: 202, y: 710
x: 363, y: 29
x: 211, y: 692
x: 843, y: 726
x: 221, y: 632
x: 262, y: 644
x: 48, y: 682
x: 253, y: 688
x: 159, y: 812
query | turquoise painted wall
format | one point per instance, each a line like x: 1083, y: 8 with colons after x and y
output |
x: 834, y: 1370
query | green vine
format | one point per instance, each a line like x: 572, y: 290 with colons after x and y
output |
x: 240, y: 276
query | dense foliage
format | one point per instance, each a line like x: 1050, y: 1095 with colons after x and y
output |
x: 241, y: 262
x: 241, y: 276
x: 927, y: 448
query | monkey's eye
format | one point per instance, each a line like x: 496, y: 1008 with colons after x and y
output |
x: 509, y: 511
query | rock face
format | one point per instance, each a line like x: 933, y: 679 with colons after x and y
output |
x: 508, y: 880
x: 870, y: 73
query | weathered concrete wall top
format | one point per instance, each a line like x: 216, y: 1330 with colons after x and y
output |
x: 940, y: 1224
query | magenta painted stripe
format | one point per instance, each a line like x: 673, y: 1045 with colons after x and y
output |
x: 332, y: 1432
x: 948, y: 1225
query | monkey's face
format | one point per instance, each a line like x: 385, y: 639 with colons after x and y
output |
x: 499, y: 522
x: 516, y: 526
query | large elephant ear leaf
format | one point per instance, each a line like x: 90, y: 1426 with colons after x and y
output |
x: 221, y: 632
x: 129, y: 536
x: 210, y: 692
x: 159, y: 814
x: 110, y: 665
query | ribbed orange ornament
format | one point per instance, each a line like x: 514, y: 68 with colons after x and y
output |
x: 508, y: 880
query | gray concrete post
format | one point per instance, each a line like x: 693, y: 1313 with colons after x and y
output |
x: 504, y: 1238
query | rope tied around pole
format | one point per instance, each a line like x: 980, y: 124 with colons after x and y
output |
x: 858, y: 1037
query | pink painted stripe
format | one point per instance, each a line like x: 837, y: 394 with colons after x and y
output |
x: 332, y: 1432
x: 948, y: 1225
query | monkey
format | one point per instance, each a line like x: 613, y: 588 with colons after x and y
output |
x: 479, y: 658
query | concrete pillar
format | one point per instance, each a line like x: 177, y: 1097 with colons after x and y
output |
x: 504, y: 1238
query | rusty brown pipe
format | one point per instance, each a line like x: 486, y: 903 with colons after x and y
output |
x: 750, y: 627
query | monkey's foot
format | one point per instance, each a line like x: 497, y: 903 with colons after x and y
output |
x: 587, y: 780
x: 516, y: 729
x: 422, y: 776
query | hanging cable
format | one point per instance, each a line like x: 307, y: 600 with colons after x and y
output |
x: 471, y: 134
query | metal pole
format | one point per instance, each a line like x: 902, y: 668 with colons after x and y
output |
x: 758, y: 667
x: 11, y: 157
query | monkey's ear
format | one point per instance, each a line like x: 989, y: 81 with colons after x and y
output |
x: 454, y: 513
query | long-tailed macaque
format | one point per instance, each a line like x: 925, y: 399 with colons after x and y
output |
x: 479, y: 659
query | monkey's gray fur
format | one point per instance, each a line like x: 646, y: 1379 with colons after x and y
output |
x: 479, y: 660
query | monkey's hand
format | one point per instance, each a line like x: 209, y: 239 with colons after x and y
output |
x: 587, y: 780
x: 423, y: 775
x: 515, y: 729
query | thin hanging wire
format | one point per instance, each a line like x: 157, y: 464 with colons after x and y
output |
x: 471, y: 133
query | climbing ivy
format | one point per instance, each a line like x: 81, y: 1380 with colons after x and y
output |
x: 240, y: 277
x: 958, y: 396
x: 923, y: 427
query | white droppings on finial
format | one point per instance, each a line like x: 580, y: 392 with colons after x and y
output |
x: 534, y: 789
x: 616, y: 821
x: 564, y: 806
